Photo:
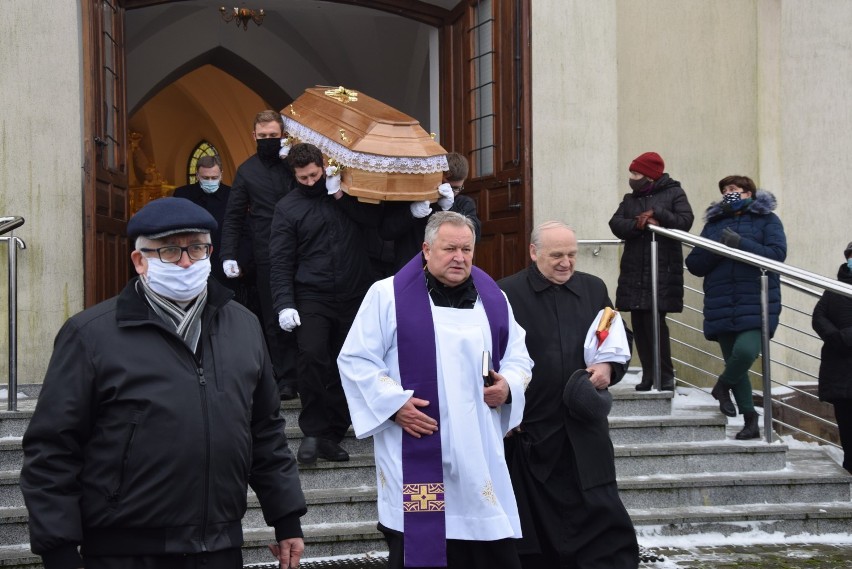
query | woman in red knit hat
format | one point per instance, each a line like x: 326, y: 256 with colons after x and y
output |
x: 655, y: 199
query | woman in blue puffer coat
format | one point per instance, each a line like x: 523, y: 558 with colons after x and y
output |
x: 743, y: 219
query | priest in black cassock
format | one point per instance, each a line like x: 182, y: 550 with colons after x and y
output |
x: 561, y: 458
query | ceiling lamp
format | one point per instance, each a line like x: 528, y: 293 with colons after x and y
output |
x: 242, y: 16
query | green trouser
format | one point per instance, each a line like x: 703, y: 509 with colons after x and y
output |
x: 740, y: 349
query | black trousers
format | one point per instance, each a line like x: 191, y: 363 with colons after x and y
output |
x: 461, y: 554
x: 225, y: 559
x: 643, y: 336
x: 843, y: 414
x: 282, y: 345
x: 321, y: 334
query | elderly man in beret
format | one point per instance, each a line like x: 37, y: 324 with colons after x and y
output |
x: 157, y: 410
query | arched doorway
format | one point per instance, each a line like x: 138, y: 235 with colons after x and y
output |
x: 426, y: 58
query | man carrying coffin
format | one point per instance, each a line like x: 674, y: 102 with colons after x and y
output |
x: 412, y: 369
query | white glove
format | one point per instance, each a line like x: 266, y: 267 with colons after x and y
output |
x: 285, y: 148
x: 445, y: 202
x: 231, y: 268
x: 288, y: 319
x: 332, y: 183
x: 420, y: 209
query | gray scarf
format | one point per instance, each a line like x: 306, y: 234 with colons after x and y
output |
x: 186, y: 323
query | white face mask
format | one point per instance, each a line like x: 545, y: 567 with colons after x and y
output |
x: 176, y: 283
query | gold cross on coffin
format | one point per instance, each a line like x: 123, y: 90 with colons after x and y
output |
x: 342, y: 94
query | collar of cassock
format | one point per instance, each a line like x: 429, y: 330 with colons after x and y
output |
x: 459, y: 296
x: 424, y: 523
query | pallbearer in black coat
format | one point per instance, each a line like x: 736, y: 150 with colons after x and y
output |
x: 561, y: 458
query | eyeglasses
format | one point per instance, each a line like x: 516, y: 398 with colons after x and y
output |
x: 173, y: 253
x: 457, y: 189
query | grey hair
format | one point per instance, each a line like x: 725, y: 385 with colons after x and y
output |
x: 141, y: 242
x: 535, y: 236
x: 436, y: 220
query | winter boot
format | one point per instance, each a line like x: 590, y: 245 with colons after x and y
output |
x: 751, y: 430
x: 722, y: 393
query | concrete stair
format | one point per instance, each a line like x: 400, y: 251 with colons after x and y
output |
x: 680, y: 472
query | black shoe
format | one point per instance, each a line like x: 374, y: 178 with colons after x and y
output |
x: 289, y: 392
x: 643, y: 386
x: 667, y: 385
x: 722, y: 394
x: 307, y: 450
x: 332, y: 451
x: 751, y: 430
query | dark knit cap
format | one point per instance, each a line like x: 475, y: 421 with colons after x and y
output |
x: 168, y: 216
x: 649, y: 164
x: 584, y: 400
x: 848, y: 251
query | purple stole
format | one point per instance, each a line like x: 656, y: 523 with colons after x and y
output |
x: 424, y: 525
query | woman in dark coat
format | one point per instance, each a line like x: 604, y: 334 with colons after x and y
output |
x: 832, y: 320
x: 743, y: 219
x: 656, y: 199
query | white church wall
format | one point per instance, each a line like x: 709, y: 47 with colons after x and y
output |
x: 41, y: 172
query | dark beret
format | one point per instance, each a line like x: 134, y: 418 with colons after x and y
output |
x: 583, y: 400
x: 167, y: 216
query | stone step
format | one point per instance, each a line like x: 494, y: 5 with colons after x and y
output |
x: 678, y: 427
x: 626, y: 401
x: 13, y: 527
x: 792, y: 518
x: 10, y: 492
x: 19, y: 557
x: 810, y: 476
x: 11, y: 453
x: 321, y: 540
x: 359, y: 470
x: 326, y: 505
x: 14, y: 423
x: 694, y: 457
x: 350, y: 443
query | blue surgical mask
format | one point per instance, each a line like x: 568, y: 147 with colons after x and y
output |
x: 849, y: 263
x: 209, y: 186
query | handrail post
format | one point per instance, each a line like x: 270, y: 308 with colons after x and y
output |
x: 655, y: 313
x: 765, y: 360
x: 13, y: 243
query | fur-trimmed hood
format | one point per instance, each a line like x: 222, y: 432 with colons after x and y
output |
x: 764, y: 204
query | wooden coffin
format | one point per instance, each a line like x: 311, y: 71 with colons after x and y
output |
x: 385, y: 154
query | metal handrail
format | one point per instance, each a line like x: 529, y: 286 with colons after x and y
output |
x: 7, y: 224
x: 790, y: 277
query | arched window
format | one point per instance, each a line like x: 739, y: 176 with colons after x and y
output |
x: 203, y: 148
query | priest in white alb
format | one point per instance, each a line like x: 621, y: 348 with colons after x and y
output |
x: 434, y: 369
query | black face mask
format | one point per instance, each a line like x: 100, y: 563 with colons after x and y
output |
x: 640, y: 184
x: 315, y: 191
x: 268, y: 148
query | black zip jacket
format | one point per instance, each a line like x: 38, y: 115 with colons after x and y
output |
x: 138, y: 447
x: 257, y: 187
x: 407, y: 231
x: 317, y: 249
